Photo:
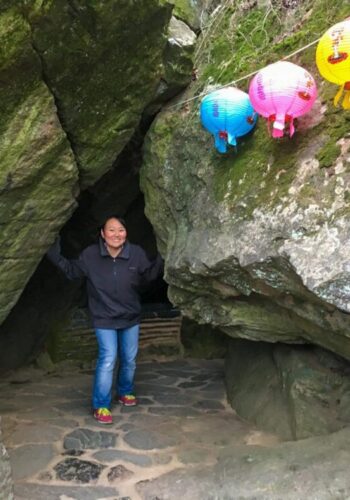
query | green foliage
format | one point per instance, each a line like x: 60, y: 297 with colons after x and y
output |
x: 241, y: 41
x: 231, y: 53
x: 184, y: 10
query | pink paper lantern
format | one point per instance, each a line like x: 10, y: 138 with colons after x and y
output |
x: 281, y: 92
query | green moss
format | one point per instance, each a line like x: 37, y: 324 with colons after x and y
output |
x: 183, y: 9
x: 307, y: 195
x: 20, y: 68
x: 102, y: 70
x: 336, y: 127
x: 13, y: 32
x: 260, y: 173
x: 232, y: 52
x: 328, y: 154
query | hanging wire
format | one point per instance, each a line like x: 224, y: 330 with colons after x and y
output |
x: 234, y: 82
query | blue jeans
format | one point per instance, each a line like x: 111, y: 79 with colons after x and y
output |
x: 109, y: 341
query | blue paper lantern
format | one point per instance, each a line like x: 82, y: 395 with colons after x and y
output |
x: 227, y: 114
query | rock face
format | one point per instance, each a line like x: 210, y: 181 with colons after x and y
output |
x: 6, y: 490
x: 38, y: 175
x: 195, y: 13
x: 71, y: 100
x: 256, y: 242
x: 295, y: 392
x: 102, y: 61
x: 178, y: 57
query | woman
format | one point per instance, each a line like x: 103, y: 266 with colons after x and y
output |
x: 115, y: 271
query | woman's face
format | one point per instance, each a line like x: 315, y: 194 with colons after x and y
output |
x: 114, y: 233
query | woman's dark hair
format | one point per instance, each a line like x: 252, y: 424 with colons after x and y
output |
x: 113, y: 216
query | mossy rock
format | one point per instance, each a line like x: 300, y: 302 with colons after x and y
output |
x: 256, y: 240
x: 38, y: 174
x: 102, y: 61
x: 294, y: 392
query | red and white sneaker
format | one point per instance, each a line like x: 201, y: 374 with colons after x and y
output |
x: 103, y: 415
x: 128, y: 400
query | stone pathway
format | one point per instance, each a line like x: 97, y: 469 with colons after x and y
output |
x: 58, y: 452
x: 183, y: 442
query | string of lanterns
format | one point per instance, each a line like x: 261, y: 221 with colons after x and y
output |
x: 280, y: 92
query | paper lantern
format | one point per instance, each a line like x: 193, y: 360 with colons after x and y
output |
x: 281, y: 92
x: 333, y: 59
x: 227, y: 114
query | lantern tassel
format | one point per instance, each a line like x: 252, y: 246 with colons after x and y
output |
x: 278, y: 126
x: 338, y: 95
x: 220, y: 143
x: 231, y: 139
x: 346, y: 100
x: 291, y: 127
x: 268, y: 123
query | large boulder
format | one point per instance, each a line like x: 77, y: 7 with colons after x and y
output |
x: 177, y: 70
x: 74, y: 81
x: 38, y: 173
x: 293, y: 391
x: 256, y: 242
x: 102, y: 61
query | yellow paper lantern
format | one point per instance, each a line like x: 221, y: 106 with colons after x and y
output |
x: 333, y: 59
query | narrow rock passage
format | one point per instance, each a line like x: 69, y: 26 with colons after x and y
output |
x: 59, y: 452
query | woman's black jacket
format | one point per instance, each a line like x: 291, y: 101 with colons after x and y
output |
x: 113, y: 284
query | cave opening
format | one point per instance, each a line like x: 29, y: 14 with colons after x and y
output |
x: 50, y: 303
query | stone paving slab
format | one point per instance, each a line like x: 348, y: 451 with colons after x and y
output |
x: 85, y: 439
x: 29, y: 459
x: 125, y: 456
x: 149, y: 440
x: 78, y: 471
x: 30, y: 491
x: 35, y: 432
